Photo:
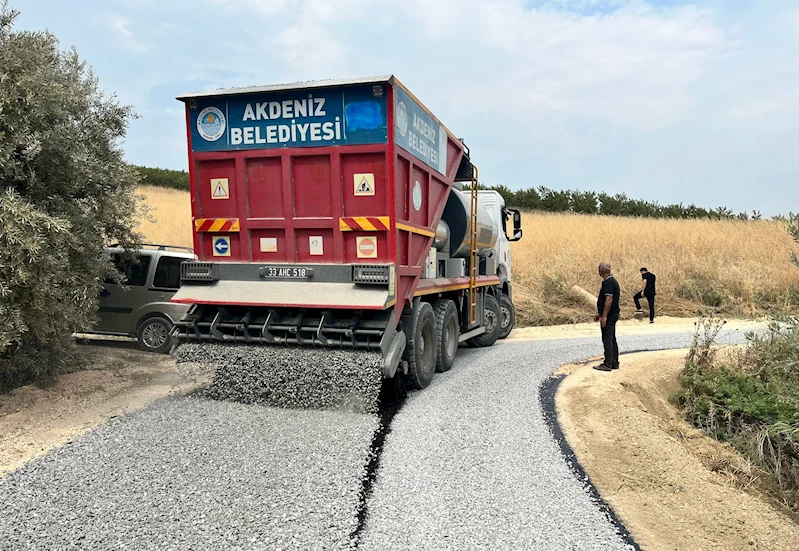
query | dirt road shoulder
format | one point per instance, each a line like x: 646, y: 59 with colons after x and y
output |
x: 663, y: 324
x: 34, y: 420
x: 672, y: 487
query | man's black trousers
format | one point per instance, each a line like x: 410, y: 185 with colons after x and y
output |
x: 609, y: 342
x: 650, y: 299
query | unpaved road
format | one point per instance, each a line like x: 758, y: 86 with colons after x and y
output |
x: 468, y: 463
x: 674, y: 487
x: 35, y: 420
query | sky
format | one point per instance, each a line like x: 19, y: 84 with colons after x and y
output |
x: 663, y: 100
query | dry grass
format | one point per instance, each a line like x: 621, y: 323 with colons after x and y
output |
x: 168, y: 221
x: 741, y: 267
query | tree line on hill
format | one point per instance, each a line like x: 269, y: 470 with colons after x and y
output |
x: 544, y: 199
x: 535, y: 198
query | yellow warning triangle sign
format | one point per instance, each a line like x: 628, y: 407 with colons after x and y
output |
x: 364, y: 186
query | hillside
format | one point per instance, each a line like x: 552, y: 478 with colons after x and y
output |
x: 741, y: 267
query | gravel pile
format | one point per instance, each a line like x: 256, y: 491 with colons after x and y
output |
x: 470, y: 462
x: 191, y: 473
x: 290, y: 377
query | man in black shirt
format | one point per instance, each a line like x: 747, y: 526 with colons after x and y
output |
x: 607, y: 308
x: 648, y: 291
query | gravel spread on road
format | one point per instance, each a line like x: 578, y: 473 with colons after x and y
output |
x: 471, y: 464
x: 192, y: 473
x: 467, y: 464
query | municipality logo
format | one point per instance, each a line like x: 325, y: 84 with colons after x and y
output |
x: 211, y: 124
x: 402, y: 118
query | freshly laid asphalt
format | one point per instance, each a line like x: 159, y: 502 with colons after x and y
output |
x: 468, y: 463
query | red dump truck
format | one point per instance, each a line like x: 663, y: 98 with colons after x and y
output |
x: 332, y: 213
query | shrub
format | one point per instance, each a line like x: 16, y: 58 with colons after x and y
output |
x: 705, y: 291
x: 750, y: 400
x: 65, y: 191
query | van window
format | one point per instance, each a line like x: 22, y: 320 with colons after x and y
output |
x: 167, y: 274
x: 135, y: 271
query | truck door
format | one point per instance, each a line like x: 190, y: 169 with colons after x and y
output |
x: 118, y: 302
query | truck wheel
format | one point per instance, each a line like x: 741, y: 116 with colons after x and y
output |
x: 447, y: 332
x: 507, y: 316
x: 153, y: 335
x: 421, y: 349
x: 491, y: 319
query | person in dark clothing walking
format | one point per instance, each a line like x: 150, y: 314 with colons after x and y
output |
x: 607, y: 308
x: 648, y: 291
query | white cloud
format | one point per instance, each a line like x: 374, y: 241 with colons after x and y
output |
x: 121, y: 25
x: 629, y: 67
x: 311, y: 51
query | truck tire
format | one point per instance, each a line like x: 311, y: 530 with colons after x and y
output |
x: 507, y: 316
x: 421, y: 349
x: 447, y: 333
x: 153, y: 335
x: 491, y: 318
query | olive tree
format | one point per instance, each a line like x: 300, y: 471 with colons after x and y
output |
x: 65, y: 192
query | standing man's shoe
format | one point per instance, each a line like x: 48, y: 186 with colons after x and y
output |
x: 603, y: 367
x: 615, y: 366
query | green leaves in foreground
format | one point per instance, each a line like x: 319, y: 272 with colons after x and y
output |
x: 65, y: 191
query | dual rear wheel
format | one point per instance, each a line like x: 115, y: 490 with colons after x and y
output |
x: 435, y: 339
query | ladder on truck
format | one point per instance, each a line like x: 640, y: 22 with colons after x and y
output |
x: 473, y: 253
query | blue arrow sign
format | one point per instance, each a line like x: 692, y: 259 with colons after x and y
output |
x: 221, y: 246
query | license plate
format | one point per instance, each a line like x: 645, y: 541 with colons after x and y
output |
x: 285, y: 272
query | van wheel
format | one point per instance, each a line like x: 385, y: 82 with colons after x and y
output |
x: 153, y: 335
x: 447, y: 332
x: 507, y: 316
x: 421, y: 349
x: 491, y: 320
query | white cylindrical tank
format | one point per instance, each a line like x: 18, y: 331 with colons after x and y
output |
x: 442, y: 235
x: 457, y: 214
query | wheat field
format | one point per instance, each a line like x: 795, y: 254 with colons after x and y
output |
x: 168, y: 218
x: 741, y: 268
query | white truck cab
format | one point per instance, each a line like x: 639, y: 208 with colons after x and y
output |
x: 509, y: 223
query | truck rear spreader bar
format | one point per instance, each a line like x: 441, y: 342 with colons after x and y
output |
x: 302, y: 327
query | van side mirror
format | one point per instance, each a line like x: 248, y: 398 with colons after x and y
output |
x: 516, y: 217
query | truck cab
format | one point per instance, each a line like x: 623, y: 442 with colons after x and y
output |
x: 510, y: 230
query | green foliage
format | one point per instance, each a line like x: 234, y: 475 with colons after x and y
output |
x: 65, y: 191
x: 705, y: 291
x: 588, y: 202
x: 162, y: 177
x: 750, y: 400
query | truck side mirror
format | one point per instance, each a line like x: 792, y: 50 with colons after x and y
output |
x: 517, y: 224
